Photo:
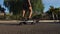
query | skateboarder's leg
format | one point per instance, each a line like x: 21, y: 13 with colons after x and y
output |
x: 30, y: 10
x: 23, y: 13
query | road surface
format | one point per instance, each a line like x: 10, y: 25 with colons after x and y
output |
x: 40, y: 28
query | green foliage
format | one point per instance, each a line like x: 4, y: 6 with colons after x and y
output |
x: 2, y: 17
x: 53, y: 12
x: 13, y: 6
x: 2, y: 9
x: 37, y: 16
x: 16, y: 5
x: 37, y: 5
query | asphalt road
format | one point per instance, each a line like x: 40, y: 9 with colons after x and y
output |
x: 40, y: 28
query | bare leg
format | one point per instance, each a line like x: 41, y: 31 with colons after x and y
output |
x: 23, y: 13
x: 30, y: 10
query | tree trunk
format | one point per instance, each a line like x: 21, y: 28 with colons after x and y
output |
x: 30, y: 9
x: 11, y: 13
x: 53, y: 16
x: 57, y: 16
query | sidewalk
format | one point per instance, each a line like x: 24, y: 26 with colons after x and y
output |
x: 17, y: 21
x: 9, y: 21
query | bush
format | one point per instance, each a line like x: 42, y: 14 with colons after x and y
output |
x: 36, y: 17
x: 2, y: 17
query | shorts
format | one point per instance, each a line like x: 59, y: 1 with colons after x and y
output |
x: 25, y: 5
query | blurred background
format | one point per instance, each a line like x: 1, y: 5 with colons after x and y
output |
x: 41, y: 9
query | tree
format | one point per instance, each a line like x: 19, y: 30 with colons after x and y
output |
x: 50, y: 12
x: 13, y: 6
x: 37, y: 6
x: 16, y: 6
x: 54, y: 12
x: 57, y: 10
x: 2, y: 12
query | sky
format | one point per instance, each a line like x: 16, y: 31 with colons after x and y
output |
x: 47, y: 4
x: 1, y: 3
